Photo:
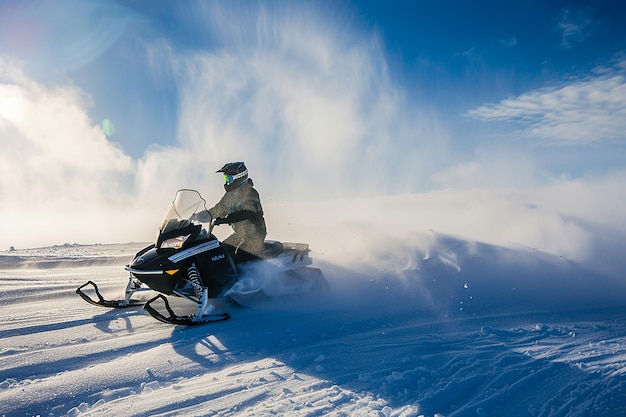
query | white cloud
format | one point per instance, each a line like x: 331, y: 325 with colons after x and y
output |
x: 312, y: 110
x: 582, y: 111
x: 491, y: 168
x: 55, y: 162
x: 574, y: 27
x: 48, y: 130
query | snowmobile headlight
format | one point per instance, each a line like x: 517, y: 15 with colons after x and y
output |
x: 175, y: 242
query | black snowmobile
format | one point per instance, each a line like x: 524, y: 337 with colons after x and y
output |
x: 188, y: 261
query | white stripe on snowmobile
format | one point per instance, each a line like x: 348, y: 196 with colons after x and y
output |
x: 143, y: 272
x: 206, y: 246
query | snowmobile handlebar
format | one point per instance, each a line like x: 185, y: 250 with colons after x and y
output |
x: 220, y: 220
x: 235, y: 217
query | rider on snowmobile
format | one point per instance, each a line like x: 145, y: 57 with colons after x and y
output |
x: 241, y: 208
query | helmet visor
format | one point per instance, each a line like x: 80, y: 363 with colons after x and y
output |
x: 228, y: 179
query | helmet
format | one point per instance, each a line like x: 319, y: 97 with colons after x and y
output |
x: 234, y: 171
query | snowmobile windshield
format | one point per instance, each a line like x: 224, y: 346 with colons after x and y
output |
x: 188, y: 209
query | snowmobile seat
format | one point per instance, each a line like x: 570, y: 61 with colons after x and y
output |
x: 272, y: 249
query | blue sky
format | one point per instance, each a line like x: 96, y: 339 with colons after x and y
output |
x: 326, y: 99
x: 451, y: 56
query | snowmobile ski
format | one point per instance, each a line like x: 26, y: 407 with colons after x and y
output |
x: 173, y: 318
x: 102, y: 301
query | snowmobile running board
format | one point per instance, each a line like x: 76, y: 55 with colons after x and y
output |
x: 105, y: 303
x: 181, y: 320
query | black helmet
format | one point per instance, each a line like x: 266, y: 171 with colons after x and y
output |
x: 234, y: 171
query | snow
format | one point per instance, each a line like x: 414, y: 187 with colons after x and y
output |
x: 456, y: 328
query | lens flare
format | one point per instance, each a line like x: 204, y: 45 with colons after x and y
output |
x: 108, y: 127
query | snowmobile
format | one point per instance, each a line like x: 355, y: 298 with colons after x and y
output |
x: 187, y: 260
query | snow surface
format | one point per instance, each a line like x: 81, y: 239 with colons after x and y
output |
x: 455, y: 328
